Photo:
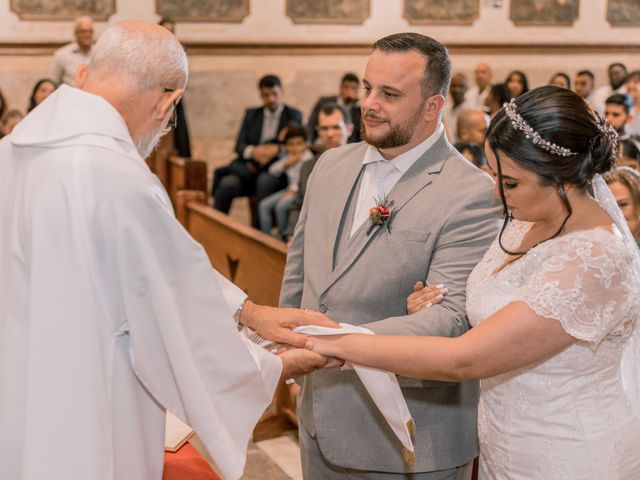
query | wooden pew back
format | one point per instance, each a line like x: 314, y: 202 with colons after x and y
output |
x: 249, y: 258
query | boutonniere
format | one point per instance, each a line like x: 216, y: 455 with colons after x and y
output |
x: 381, y: 214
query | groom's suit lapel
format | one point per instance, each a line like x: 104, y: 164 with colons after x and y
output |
x: 338, y: 193
x: 410, y: 184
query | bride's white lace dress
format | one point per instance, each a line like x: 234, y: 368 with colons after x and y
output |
x: 566, y: 417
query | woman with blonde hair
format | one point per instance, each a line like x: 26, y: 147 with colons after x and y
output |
x: 624, y: 183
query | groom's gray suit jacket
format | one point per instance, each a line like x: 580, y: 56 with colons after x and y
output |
x: 445, y: 219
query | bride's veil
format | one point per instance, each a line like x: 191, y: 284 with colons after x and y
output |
x: 631, y: 354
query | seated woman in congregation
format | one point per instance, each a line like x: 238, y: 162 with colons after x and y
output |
x: 552, y: 304
x: 629, y: 154
x: 41, y: 90
x: 624, y: 183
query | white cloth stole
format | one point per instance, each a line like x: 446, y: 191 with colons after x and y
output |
x: 373, y: 188
x: 381, y: 385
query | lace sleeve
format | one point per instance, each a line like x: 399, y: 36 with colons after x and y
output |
x: 584, y: 282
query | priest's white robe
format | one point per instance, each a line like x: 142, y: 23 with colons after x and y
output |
x: 110, y: 312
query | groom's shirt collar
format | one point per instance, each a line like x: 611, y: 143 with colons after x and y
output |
x: 404, y: 161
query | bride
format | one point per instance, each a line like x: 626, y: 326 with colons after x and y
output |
x: 553, y: 304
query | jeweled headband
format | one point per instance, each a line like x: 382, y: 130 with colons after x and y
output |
x: 520, y: 124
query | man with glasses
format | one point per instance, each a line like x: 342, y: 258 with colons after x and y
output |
x: 110, y: 312
x: 67, y: 59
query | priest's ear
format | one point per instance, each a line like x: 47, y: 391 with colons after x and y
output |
x: 167, y: 101
x: 81, y: 75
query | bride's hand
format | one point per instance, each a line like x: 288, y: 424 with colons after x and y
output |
x: 423, y: 297
x: 327, y: 345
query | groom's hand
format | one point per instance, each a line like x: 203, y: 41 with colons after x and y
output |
x: 276, y: 324
x: 298, y: 361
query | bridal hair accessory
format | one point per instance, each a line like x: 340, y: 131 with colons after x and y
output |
x: 608, y: 131
x: 521, y: 125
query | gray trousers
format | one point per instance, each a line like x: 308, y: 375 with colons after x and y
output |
x: 316, y: 467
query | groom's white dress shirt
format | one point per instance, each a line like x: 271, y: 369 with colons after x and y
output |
x: 381, y: 175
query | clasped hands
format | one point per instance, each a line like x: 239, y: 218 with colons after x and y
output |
x: 277, y: 324
x: 301, y: 354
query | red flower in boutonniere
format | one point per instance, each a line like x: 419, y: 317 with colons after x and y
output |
x: 381, y: 214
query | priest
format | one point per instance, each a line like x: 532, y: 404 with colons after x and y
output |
x: 110, y: 312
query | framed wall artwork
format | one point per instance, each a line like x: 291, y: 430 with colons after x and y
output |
x: 544, y: 12
x: 328, y: 11
x: 204, y: 10
x: 441, y: 12
x: 623, y: 13
x: 62, y: 9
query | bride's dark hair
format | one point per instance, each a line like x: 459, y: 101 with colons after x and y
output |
x: 565, y: 119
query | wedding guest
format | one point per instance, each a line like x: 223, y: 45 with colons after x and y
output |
x: 67, y: 59
x: 474, y: 153
x: 334, y: 129
x: 181, y: 137
x: 617, y: 78
x: 10, y: 120
x: 618, y: 113
x: 517, y: 83
x: 498, y: 96
x: 624, y: 183
x: 296, y: 154
x: 3, y: 105
x: 168, y: 23
x: 472, y: 126
x: 347, y: 98
x: 561, y: 80
x: 455, y: 104
x: 633, y: 90
x: 257, y: 146
x: 553, y: 303
x: 41, y: 90
x: 477, y: 94
x: 629, y: 153
x: 584, y: 84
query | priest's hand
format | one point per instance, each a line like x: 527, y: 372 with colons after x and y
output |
x: 276, y: 324
x: 298, y: 361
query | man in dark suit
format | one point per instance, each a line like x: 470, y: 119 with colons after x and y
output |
x: 348, y: 99
x: 257, y: 146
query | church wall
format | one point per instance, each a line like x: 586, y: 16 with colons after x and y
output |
x: 227, y: 59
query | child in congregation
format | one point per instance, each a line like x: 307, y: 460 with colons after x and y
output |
x: 296, y: 152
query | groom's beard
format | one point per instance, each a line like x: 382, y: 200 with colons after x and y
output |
x: 398, y: 134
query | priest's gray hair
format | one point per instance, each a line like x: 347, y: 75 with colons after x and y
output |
x: 147, y: 58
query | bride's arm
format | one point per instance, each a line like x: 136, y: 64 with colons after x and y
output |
x: 512, y: 338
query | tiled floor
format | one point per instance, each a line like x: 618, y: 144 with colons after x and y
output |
x: 285, y: 453
x: 275, y: 459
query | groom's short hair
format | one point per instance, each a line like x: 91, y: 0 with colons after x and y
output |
x: 438, y: 72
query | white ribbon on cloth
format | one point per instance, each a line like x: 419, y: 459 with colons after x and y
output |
x: 382, y: 386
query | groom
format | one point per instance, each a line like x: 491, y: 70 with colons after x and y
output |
x: 342, y: 264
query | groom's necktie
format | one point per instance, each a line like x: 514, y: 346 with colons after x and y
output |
x: 376, y: 187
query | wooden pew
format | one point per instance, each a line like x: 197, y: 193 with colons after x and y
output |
x: 254, y: 262
x: 185, y: 174
x: 249, y: 258
x: 158, y: 161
